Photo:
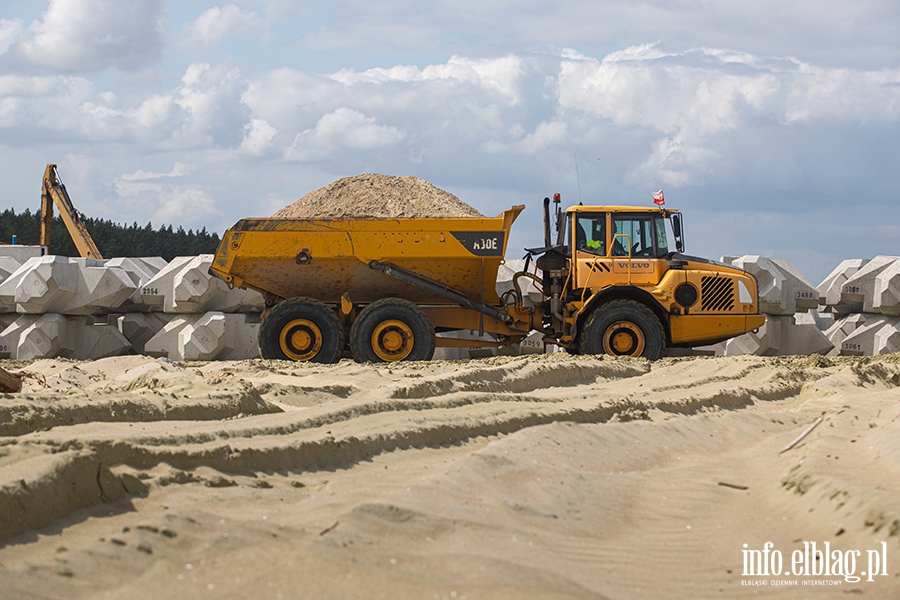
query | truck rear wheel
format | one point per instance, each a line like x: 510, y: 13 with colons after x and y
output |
x: 301, y: 329
x: 390, y: 330
x: 623, y: 328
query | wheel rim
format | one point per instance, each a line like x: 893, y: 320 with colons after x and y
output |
x: 624, y: 338
x: 300, y: 339
x: 393, y: 340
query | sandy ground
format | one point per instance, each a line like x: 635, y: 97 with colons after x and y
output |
x: 546, y: 476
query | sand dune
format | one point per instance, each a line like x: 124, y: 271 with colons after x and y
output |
x: 543, y: 476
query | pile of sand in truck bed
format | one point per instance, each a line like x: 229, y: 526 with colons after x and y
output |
x: 377, y: 196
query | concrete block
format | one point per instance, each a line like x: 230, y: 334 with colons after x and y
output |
x: 782, y: 289
x: 53, y: 335
x: 140, y: 271
x: 830, y: 288
x: 8, y: 266
x: 713, y: 350
x: 5, y: 321
x: 878, y: 335
x: 532, y: 344
x: 874, y: 288
x: 45, y: 280
x: 531, y: 293
x: 98, y: 340
x: 887, y: 338
x: 821, y: 320
x: 781, y: 336
x: 71, y: 286
x: 138, y: 328
x: 210, y: 336
x: 843, y: 327
x: 20, y: 252
x: 185, y: 286
x: 886, y: 297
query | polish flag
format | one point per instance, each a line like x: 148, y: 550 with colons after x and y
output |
x: 658, y: 198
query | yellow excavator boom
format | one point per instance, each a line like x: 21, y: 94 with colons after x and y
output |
x: 53, y: 191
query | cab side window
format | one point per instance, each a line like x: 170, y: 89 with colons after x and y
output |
x: 590, y: 234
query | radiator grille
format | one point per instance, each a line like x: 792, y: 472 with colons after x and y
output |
x: 717, y: 294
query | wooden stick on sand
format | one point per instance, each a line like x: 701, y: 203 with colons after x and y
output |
x: 801, y: 436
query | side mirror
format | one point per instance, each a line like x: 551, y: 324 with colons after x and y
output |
x: 676, y: 229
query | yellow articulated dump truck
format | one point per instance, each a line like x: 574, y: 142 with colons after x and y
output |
x: 386, y: 288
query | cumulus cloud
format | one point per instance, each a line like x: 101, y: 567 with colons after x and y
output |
x: 343, y: 128
x: 88, y: 35
x: 687, y: 101
x: 497, y: 74
x: 10, y: 31
x: 217, y: 23
x: 210, y: 98
x: 258, y: 137
x: 546, y: 135
x: 702, y: 119
x: 178, y: 170
x: 183, y: 204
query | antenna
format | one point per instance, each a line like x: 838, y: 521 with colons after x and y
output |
x: 577, y: 178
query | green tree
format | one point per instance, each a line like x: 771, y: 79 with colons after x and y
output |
x: 112, y: 239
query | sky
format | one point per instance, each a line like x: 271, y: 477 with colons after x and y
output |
x: 772, y: 125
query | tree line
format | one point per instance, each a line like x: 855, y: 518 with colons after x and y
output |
x: 112, y: 239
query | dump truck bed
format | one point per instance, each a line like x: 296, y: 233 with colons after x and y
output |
x: 326, y: 258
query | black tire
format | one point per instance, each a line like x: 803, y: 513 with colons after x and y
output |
x: 301, y: 329
x: 390, y: 330
x: 623, y: 328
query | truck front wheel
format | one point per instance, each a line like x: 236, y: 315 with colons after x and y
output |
x: 623, y: 328
x: 301, y: 329
x: 390, y: 330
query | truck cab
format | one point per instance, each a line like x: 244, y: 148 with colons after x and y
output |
x: 611, y: 242
x: 617, y: 283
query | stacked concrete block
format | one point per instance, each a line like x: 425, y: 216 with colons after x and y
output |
x: 782, y: 289
x: 70, y: 286
x: 821, y: 320
x: 781, y: 336
x: 31, y: 337
x: 875, y: 288
x: 864, y: 334
x: 831, y: 287
x: 140, y: 271
x: 138, y: 327
x: 8, y: 266
x: 865, y: 297
x: 185, y: 286
x: 211, y: 336
x: 843, y: 327
x: 5, y: 321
